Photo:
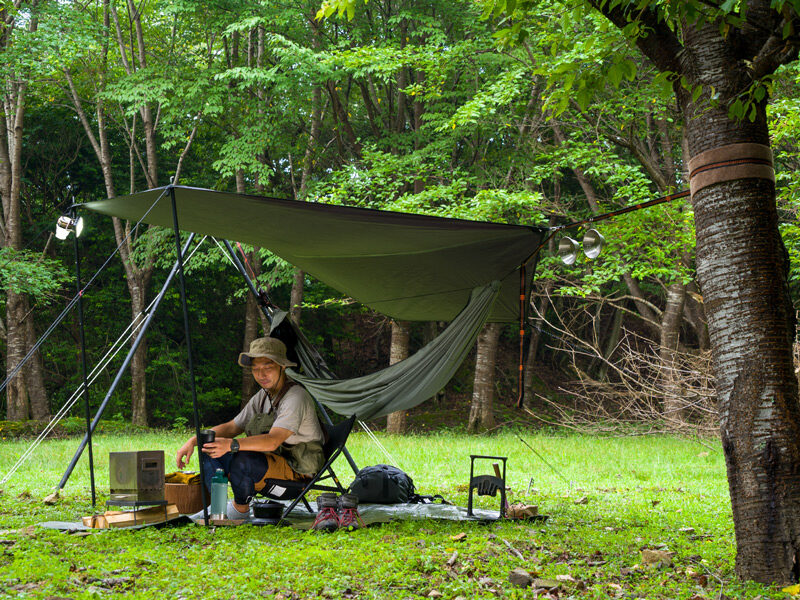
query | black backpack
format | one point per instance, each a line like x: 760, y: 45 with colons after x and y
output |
x: 382, y: 484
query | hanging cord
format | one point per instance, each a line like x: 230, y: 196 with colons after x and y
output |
x: 380, y: 446
x: 542, y: 458
x: 110, y: 354
x: 74, y: 300
x: 604, y: 216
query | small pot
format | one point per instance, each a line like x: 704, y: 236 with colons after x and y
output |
x: 267, y: 510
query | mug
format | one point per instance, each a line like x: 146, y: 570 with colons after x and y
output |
x: 206, y: 436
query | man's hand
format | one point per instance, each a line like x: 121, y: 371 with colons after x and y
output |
x: 185, y: 453
x: 218, y: 447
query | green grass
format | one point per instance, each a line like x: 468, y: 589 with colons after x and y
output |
x: 640, y: 493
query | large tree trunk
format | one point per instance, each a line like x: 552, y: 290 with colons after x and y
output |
x: 742, y: 270
x: 396, y: 421
x: 481, y: 413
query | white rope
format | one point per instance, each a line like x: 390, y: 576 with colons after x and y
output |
x: 110, y: 354
x: 380, y: 446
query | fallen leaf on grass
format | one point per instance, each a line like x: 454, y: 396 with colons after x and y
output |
x: 656, y: 557
x: 686, y: 529
x: 703, y: 454
x: 700, y: 578
x: 435, y: 594
x: 582, y: 500
x: 51, y: 499
x: 459, y: 537
x: 655, y: 502
x: 565, y: 578
x: 792, y: 589
x: 24, y: 495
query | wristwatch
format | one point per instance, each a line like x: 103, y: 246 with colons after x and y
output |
x: 234, y: 446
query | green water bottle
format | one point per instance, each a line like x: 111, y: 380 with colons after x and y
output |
x: 219, y: 495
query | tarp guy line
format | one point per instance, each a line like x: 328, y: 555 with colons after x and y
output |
x: 110, y: 354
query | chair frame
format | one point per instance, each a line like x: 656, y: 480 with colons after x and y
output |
x: 324, y: 474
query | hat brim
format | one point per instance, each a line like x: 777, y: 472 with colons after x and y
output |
x: 246, y: 359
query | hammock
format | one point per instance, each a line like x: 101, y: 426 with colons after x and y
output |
x: 405, y: 384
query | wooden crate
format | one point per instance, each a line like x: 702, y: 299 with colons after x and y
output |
x: 188, y: 498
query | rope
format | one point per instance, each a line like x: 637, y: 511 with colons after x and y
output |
x: 380, y: 446
x: 74, y: 300
x: 110, y: 354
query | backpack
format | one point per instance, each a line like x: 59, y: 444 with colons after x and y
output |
x: 382, y: 484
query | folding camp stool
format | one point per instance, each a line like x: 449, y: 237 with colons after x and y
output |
x: 487, y: 485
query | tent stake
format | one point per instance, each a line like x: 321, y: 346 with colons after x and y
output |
x: 187, y: 332
x: 83, y: 366
x: 121, y: 371
x: 267, y: 314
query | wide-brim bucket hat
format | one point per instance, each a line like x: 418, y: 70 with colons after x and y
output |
x: 266, y: 347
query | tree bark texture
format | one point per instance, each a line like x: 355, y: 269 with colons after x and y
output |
x: 481, y: 413
x: 671, y: 319
x: 396, y: 421
x: 742, y: 270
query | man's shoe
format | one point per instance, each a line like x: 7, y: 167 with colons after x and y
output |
x: 348, y: 513
x: 327, y: 519
x: 233, y: 513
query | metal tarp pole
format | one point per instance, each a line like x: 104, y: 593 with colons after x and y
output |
x: 187, y: 331
x: 254, y: 291
x: 136, y: 342
x: 83, y: 366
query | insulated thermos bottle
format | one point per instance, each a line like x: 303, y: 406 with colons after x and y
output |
x: 219, y: 495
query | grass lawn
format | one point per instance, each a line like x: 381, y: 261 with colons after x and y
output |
x: 607, y: 498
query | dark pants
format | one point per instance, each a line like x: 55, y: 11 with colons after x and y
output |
x: 243, y: 469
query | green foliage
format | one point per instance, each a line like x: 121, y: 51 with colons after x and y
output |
x: 26, y: 272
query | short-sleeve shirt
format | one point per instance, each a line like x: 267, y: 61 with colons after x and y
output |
x: 295, y: 412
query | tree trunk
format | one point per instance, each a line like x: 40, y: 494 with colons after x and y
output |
x: 296, y: 297
x: 396, y: 421
x: 34, y: 377
x: 742, y: 270
x: 481, y: 413
x: 674, y: 406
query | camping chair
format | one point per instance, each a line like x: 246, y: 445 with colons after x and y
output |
x: 281, y: 489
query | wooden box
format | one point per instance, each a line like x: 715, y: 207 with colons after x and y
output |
x: 187, y: 498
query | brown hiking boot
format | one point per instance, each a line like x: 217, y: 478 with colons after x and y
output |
x: 348, y: 513
x: 327, y: 519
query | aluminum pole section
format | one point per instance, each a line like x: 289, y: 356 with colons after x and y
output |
x: 136, y: 342
x: 83, y: 366
x: 187, y: 332
x: 254, y: 291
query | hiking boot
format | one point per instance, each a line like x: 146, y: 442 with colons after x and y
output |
x: 327, y: 519
x: 348, y: 513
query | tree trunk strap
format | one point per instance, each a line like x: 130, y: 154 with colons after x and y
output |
x: 728, y: 163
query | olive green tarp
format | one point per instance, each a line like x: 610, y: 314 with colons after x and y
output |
x: 410, y: 267
x: 407, y: 266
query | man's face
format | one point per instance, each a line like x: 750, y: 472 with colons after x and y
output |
x: 266, y: 372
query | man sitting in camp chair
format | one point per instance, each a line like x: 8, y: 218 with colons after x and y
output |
x: 283, y: 436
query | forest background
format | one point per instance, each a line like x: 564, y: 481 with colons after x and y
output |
x: 411, y: 106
